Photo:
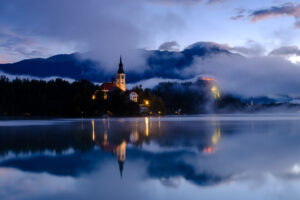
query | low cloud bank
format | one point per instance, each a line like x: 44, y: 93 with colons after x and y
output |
x: 13, y: 77
x: 256, y: 76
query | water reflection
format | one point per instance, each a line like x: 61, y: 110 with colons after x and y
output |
x: 181, y: 153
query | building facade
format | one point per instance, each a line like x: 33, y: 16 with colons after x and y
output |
x: 133, y: 96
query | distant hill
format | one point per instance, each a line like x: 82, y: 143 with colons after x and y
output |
x: 162, y: 64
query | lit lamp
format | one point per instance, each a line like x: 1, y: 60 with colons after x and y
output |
x: 93, y: 97
x: 146, y: 102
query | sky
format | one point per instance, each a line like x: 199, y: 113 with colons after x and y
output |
x: 265, y: 32
x: 33, y: 28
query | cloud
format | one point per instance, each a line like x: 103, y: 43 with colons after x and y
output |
x: 237, y: 17
x: 152, y: 82
x: 286, y: 51
x: 251, y: 48
x: 216, y: 1
x: 297, y: 25
x: 12, y: 77
x: 103, y: 29
x: 17, y: 45
x: 189, y: 2
x: 288, y: 9
x: 254, y: 76
x: 240, y: 14
x: 169, y: 46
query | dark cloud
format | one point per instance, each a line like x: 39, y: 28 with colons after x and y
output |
x: 288, y: 9
x: 237, y: 17
x: 286, y: 51
x: 239, y: 14
x: 169, y: 46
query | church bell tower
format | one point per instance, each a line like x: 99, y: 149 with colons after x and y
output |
x: 121, y: 82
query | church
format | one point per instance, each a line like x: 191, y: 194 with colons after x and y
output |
x: 120, y: 83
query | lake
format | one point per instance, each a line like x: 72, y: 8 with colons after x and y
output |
x: 209, y: 157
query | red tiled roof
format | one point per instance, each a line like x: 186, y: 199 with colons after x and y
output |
x: 107, y: 86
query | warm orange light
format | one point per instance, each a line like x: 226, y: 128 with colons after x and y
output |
x: 93, y: 97
x: 93, y: 135
x: 146, y: 102
x: 146, y: 126
x: 105, y: 96
x: 208, y: 79
x: 216, y: 93
x: 208, y: 150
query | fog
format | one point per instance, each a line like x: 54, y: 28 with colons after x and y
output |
x: 255, y: 76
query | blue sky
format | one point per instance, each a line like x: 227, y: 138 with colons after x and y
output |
x: 32, y: 28
x: 202, y: 22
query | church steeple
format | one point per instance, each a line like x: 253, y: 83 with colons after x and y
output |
x: 121, y: 80
x: 121, y: 70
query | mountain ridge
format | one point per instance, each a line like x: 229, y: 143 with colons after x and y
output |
x: 164, y: 64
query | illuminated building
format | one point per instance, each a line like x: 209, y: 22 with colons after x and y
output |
x: 120, y: 83
x: 121, y: 77
x: 133, y: 96
x: 215, y: 91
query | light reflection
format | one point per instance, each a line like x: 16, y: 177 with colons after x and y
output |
x: 147, y: 126
x: 134, y: 136
x: 216, y: 137
x: 93, y: 135
x: 159, y: 122
x: 180, y: 143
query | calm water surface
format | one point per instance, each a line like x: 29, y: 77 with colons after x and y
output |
x: 201, y: 157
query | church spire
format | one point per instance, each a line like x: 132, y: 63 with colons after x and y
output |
x: 121, y: 166
x: 121, y: 70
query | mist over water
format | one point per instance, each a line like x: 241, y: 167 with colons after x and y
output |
x: 204, y: 156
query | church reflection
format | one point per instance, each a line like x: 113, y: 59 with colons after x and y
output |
x: 119, y: 150
x: 143, y: 131
x: 117, y: 137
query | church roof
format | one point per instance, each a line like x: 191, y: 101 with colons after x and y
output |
x: 107, y: 86
x: 121, y: 70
